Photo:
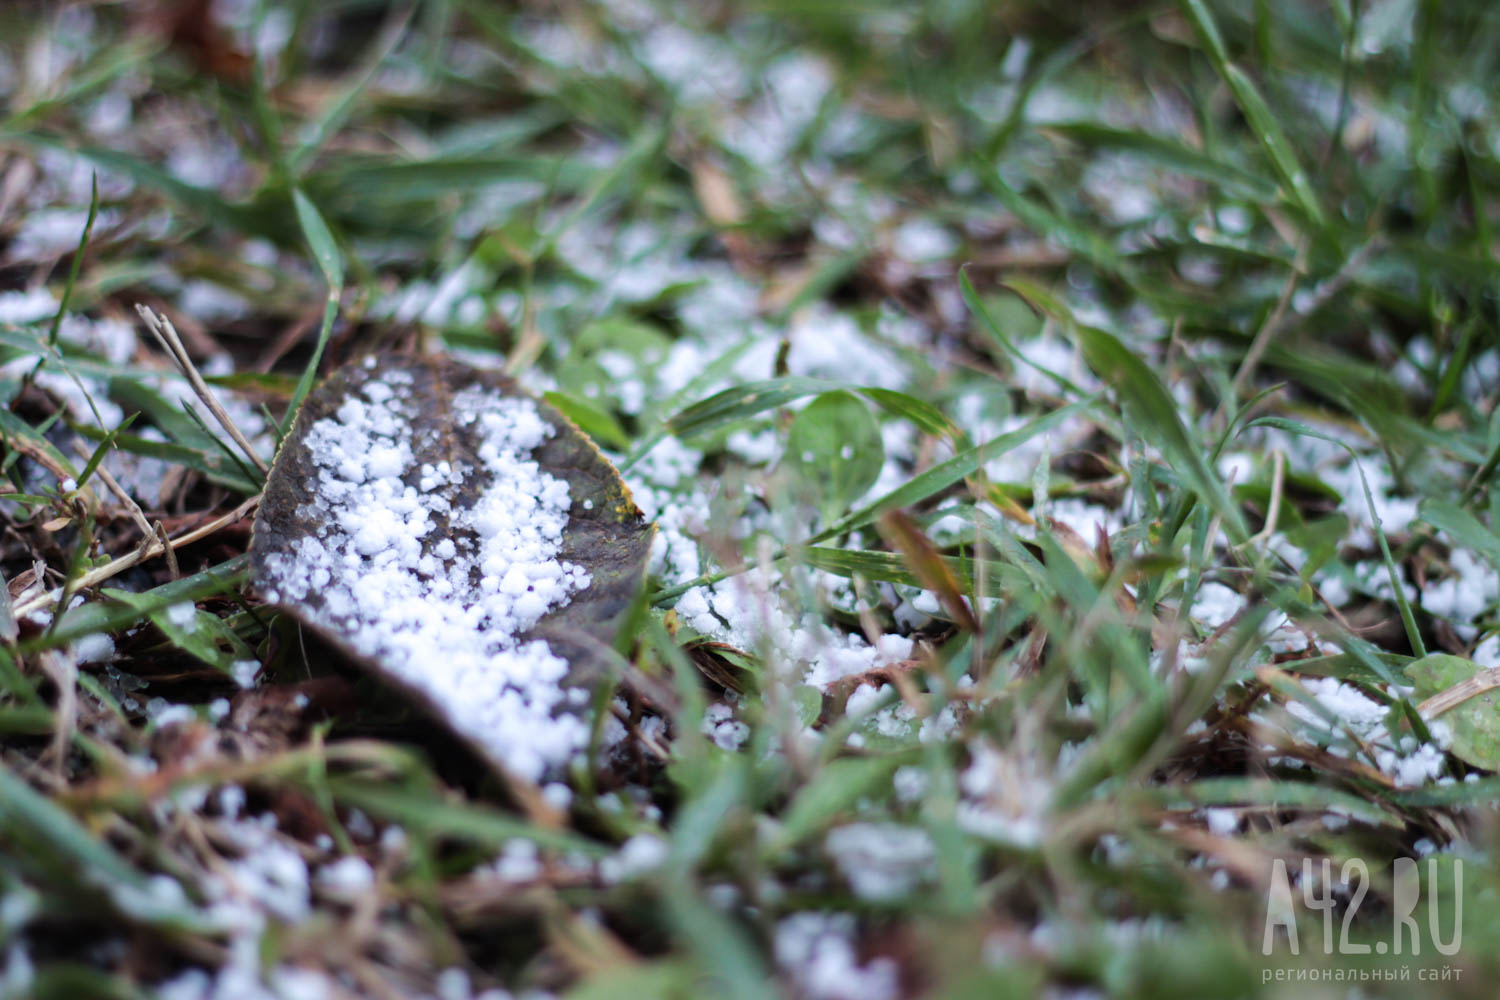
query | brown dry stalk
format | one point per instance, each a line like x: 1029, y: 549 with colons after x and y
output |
x: 166, y: 335
x: 1485, y: 680
x: 131, y: 507
x: 154, y: 547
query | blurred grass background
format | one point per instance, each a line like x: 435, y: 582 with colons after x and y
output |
x: 887, y: 312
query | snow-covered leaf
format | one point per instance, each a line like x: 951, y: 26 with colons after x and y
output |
x: 460, y: 538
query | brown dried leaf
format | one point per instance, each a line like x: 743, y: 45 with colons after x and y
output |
x: 494, y: 685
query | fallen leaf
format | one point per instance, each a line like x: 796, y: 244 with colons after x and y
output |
x: 463, y: 541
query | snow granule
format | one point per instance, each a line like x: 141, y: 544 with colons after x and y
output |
x: 18, y: 972
x: 910, y: 783
x: 231, y: 801
x: 183, y: 615
x: 1415, y: 769
x: 922, y: 240
x: 557, y: 795
x: 271, y: 874
x: 1343, y: 701
x: 1222, y: 822
x: 518, y: 862
x: 645, y: 852
x: 864, y: 698
x: 51, y: 231
x: 27, y: 306
x: 1465, y: 594
x: 346, y: 876
x: 244, y: 672
x: 96, y: 648
x: 442, y: 610
x: 1487, y: 653
x: 359, y: 825
x: 294, y: 983
x: 164, y: 715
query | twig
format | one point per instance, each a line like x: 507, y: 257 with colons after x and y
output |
x: 1273, y: 514
x: 134, y: 509
x: 167, y: 336
x: 1485, y: 680
x: 63, y: 673
x: 154, y: 547
x: 1270, y: 328
x: 634, y: 730
x: 1276, y: 322
x: 166, y: 544
x: 149, y: 530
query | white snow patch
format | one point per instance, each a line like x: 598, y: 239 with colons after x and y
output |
x: 720, y: 725
x: 881, y: 861
x: 1006, y: 796
x: 1410, y: 763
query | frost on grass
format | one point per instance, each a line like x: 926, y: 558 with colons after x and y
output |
x: 464, y: 540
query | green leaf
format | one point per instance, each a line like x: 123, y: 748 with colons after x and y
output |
x: 1001, y: 337
x: 83, y: 242
x: 740, y: 402
x: 200, y: 634
x: 27, y: 813
x: 337, y: 111
x: 331, y: 263
x: 945, y: 474
x: 1148, y: 405
x: 834, y: 789
x: 424, y: 811
x: 1463, y: 527
x: 594, y: 421
x: 705, y: 814
x: 1408, y: 620
x: 807, y: 702
x: 209, y: 461
x: 1475, y: 720
x: 42, y: 833
x: 1096, y: 247
x: 1263, y: 122
x: 103, y: 449
x: 325, y: 249
x: 872, y: 565
x: 199, y: 203
x: 101, y: 616
x: 1271, y: 794
x: 924, y: 415
x: 1171, y: 154
x: 1484, y: 792
x: 13, y: 428
x: 720, y: 945
x: 1349, y: 667
x: 646, y: 981
x: 834, y: 445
